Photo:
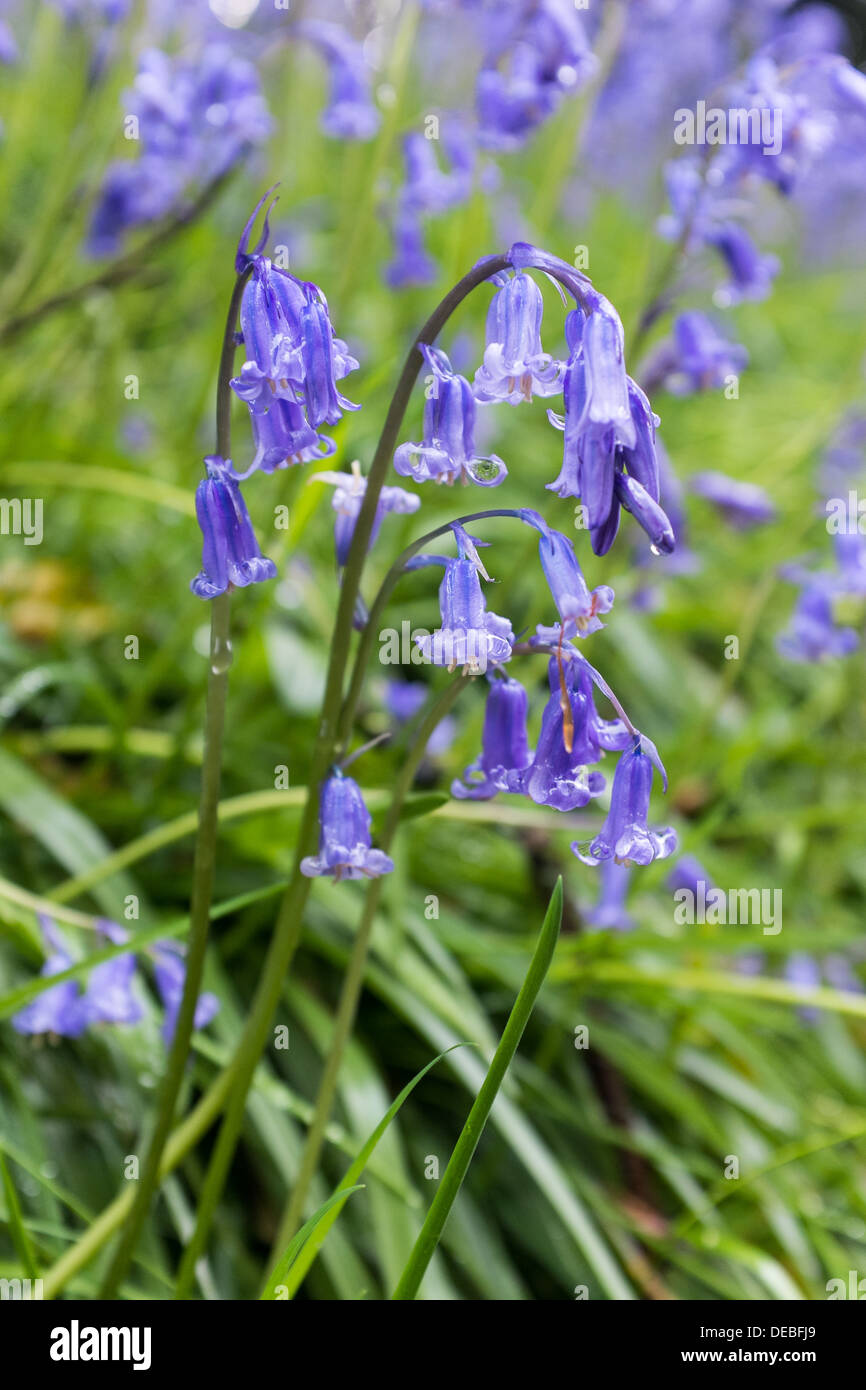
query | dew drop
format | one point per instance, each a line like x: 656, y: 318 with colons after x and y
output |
x: 654, y: 550
x: 221, y: 657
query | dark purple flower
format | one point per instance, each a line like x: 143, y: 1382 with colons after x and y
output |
x: 559, y: 773
x: 625, y: 835
x: 515, y: 365
x: 504, y: 745
x: 170, y: 975
x: 741, y: 504
x: 292, y: 352
x: 646, y: 512
x: 447, y: 451
x: 344, y: 835
x: 230, y: 552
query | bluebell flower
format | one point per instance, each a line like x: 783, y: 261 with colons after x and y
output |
x: 741, y: 504
x: 412, y: 264
x: 59, y: 1011
x: 579, y: 606
x: 230, y: 551
x: 625, y: 835
x: 515, y: 365
x: 646, y: 512
x: 283, y: 436
x: 469, y: 636
x: 196, y: 118
x: 559, y: 773
x: 812, y: 634
x: 447, y: 451
x: 133, y: 193
x: 350, y: 489
x: 170, y: 974
x: 504, y: 743
x: 697, y: 357
x: 428, y: 186
x: 292, y: 351
x: 688, y: 872
x: 609, y: 911
x: 537, y: 54
x: 351, y: 113
x: 344, y: 835
x: 109, y: 995
x: 751, y: 272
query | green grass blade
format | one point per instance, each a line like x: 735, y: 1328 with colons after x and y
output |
x: 458, y: 1164
x: 346, y: 1186
x: 296, y: 1244
x: 17, y: 1229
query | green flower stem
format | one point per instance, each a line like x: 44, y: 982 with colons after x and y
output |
x: 354, y: 977
x: 205, y: 851
x: 287, y: 930
x: 458, y: 1164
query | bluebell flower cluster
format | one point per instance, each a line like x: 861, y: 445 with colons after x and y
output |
x: 537, y: 53
x: 288, y: 380
x: 609, y: 457
x: 196, y: 118
x: 65, y: 1010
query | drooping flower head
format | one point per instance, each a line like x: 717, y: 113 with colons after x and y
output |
x: 447, y: 452
x: 344, y: 835
x: 504, y: 744
x: 559, y: 773
x: 579, y: 606
x: 230, y: 551
x: 515, y: 366
x: 350, y: 489
x: 625, y: 835
x: 608, y: 424
x: 469, y: 636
